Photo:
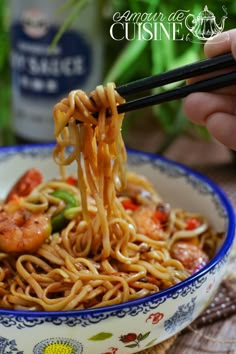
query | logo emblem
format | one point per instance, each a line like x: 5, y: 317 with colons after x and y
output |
x: 204, y: 25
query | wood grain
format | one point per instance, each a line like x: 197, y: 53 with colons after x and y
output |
x: 222, y: 339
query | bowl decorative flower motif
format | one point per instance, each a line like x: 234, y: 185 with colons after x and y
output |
x: 136, y: 325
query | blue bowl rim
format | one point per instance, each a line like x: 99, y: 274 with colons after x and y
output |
x: 224, y: 249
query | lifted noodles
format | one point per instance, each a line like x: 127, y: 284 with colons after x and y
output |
x: 110, y: 237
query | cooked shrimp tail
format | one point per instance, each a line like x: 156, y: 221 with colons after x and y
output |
x: 23, y: 231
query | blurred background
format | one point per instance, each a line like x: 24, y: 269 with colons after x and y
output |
x: 161, y: 129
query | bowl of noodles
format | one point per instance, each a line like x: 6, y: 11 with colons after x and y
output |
x: 104, y: 250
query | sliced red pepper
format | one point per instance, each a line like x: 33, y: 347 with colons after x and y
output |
x: 25, y: 184
x: 129, y: 205
x: 72, y: 180
x: 160, y: 215
x: 192, y: 223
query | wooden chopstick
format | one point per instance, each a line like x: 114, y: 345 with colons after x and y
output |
x: 201, y: 67
x: 210, y: 84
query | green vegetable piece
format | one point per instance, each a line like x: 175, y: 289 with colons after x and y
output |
x: 59, y: 221
x: 66, y: 196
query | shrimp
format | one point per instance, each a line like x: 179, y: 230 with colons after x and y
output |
x: 190, y: 255
x: 147, y: 224
x: 25, y: 184
x: 22, y: 231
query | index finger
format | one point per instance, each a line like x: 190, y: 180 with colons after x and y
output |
x: 220, y: 44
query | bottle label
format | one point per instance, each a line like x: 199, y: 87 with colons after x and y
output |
x: 42, y: 74
x: 41, y: 70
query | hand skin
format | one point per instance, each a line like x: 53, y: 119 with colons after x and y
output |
x: 216, y: 110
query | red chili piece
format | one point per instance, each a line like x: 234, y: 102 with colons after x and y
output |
x: 192, y: 223
x: 129, y: 205
x: 72, y: 180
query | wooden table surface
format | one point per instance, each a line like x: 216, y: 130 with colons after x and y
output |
x: 222, y: 339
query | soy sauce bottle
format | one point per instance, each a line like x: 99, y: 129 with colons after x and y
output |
x: 42, y: 74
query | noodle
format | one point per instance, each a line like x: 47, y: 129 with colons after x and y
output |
x: 117, y: 240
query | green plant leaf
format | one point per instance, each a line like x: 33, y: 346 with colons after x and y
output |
x: 201, y: 131
x: 69, y: 20
x: 131, y: 345
x: 144, y: 336
x: 67, y: 5
x: 101, y: 336
x: 158, y: 58
x: 127, y: 57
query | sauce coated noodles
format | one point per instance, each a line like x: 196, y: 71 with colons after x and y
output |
x: 100, y: 237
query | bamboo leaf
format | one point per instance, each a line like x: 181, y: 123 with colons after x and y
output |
x: 68, y: 5
x: 135, y: 72
x: 68, y: 21
x: 127, y: 57
x: 189, y: 56
x: 134, y: 5
x: 168, y: 52
x: 130, y: 54
x: 140, y: 5
x: 158, y: 59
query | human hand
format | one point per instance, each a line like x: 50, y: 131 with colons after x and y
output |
x: 216, y: 110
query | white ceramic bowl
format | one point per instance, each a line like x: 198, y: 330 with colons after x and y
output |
x: 136, y: 325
